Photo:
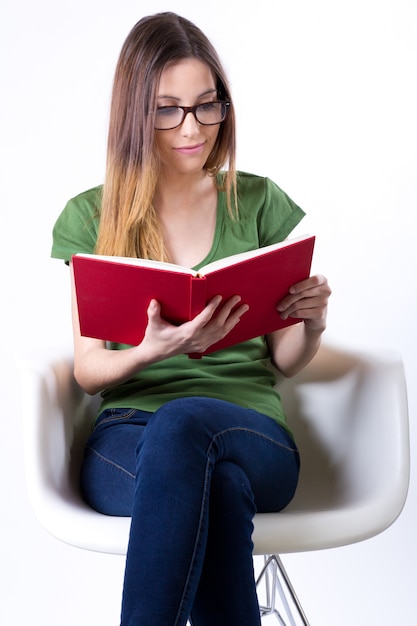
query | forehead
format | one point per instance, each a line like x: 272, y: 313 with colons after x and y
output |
x: 186, y: 78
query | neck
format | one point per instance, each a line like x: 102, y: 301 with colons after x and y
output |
x: 183, y: 193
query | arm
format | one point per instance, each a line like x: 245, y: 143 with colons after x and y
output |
x: 292, y: 348
x: 96, y: 367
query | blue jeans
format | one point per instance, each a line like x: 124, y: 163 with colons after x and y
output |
x: 191, y: 476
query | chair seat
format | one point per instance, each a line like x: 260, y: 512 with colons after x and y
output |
x: 349, y: 415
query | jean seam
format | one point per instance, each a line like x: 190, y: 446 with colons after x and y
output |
x: 252, y: 432
x: 114, y: 418
x: 197, y: 540
x: 109, y: 462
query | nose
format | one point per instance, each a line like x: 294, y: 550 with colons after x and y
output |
x: 190, y: 124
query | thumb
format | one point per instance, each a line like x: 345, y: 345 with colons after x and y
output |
x: 154, y: 309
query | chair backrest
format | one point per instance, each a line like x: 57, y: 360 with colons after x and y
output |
x: 348, y: 412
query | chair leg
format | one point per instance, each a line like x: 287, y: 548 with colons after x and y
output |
x: 276, y: 580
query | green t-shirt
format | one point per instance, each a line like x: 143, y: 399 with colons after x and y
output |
x: 240, y: 374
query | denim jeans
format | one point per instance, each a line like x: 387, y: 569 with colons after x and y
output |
x: 191, y: 475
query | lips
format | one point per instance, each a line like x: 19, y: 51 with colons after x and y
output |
x: 190, y: 150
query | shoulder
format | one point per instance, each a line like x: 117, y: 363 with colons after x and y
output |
x: 250, y: 184
x: 262, y: 196
x: 76, y: 228
x: 261, y: 200
x: 84, y: 207
x: 88, y: 201
x: 261, y: 188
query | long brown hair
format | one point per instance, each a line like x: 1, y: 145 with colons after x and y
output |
x: 129, y: 225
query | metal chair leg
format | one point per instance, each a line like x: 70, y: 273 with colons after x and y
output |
x: 276, y: 580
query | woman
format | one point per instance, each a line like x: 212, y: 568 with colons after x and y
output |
x: 190, y: 449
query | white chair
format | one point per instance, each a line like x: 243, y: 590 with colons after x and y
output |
x: 348, y: 411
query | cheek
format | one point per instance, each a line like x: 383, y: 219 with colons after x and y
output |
x: 211, y: 138
x: 214, y: 133
x: 159, y: 143
x: 162, y: 149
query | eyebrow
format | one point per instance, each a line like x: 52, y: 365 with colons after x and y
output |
x: 205, y: 93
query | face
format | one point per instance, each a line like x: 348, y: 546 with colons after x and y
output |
x: 185, y: 149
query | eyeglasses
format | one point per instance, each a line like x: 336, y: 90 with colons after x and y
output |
x: 208, y: 114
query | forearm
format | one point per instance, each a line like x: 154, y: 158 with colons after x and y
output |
x: 97, y: 368
x: 294, y: 347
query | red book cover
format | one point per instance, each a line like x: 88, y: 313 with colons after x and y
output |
x: 113, y: 293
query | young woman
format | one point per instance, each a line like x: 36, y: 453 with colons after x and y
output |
x: 190, y: 449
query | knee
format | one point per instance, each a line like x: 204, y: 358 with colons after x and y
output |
x: 231, y: 491
x: 175, y: 431
x: 176, y: 420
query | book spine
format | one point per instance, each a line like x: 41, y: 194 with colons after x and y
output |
x: 197, y: 295
x: 197, y: 302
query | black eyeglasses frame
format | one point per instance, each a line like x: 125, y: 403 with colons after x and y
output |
x: 193, y: 110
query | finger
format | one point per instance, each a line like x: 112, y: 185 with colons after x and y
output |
x: 207, y: 313
x: 225, y: 320
x: 299, y: 307
x: 227, y: 308
x: 219, y: 327
x: 309, y: 283
x: 229, y: 320
x: 316, y: 288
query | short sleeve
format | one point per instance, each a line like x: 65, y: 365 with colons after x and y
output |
x: 278, y: 216
x: 76, y: 228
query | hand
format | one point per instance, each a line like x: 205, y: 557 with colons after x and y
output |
x: 215, y: 321
x: 307, y: 300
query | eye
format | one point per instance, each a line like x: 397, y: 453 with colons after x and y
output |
x: 166, y: 111
x: 207, y: 107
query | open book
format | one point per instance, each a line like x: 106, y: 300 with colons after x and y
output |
x: 113, y: 293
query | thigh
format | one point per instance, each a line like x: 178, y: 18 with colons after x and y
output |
x: 267, y: 455
x: 109, y: 466
x: 210, y: 431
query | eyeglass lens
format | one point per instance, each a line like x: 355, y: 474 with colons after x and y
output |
x: 208, y: 113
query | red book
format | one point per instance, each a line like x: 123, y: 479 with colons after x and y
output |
x: 113, y: 293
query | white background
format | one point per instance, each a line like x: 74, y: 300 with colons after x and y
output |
x: 326, y: 99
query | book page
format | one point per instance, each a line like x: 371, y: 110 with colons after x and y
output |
x: 250, y: 254
x: 158, y: 265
